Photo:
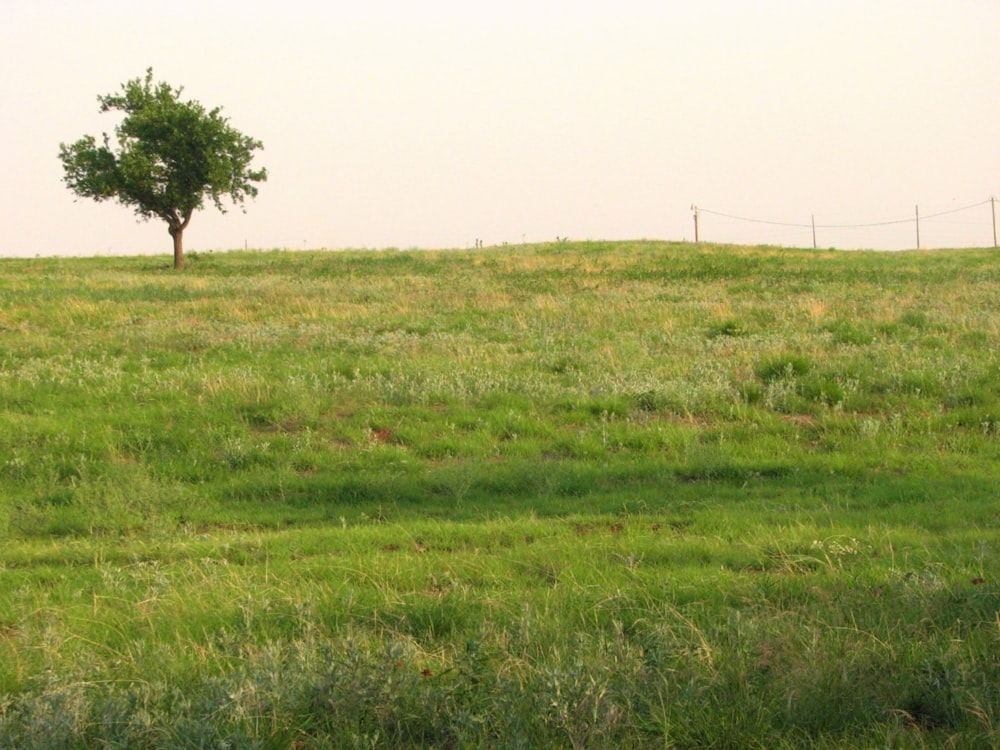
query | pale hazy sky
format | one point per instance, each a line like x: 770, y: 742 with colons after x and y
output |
x: 432, y: 124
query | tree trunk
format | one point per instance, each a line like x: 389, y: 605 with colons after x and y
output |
x: 178, y: 235
x: 176, y: 224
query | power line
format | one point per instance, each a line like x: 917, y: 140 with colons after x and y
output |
x: 915, y: 220
x: 839, y: 226
x: 752, y: 221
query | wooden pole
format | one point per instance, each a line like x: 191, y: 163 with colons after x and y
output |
x: 993, y: 204
x: 917, y: 209
x: 695, y: 209
x: 814, y: 230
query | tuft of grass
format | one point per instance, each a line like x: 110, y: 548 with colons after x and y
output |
x: 728, y: 327
x: 783, y: 366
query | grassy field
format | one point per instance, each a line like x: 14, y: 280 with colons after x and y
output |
x: 626, y: 495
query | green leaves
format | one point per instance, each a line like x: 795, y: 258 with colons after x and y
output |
x: 91, y: 170
x: 171, y: 156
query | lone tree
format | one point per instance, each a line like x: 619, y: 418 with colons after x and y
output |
x: 171, y: 155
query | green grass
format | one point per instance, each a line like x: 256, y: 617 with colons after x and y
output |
x: 575, y: 495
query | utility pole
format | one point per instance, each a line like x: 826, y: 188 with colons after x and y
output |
x: 993, y: 205
x: 695, y: 209
x: 814, y: 230
x: 917, y: 209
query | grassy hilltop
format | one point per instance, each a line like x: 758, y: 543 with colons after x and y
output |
x: 576, y: 495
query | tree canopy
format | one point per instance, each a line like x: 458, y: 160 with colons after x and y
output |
x: 168, y: 158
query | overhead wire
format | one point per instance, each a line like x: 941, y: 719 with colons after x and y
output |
x: 908, y: 220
